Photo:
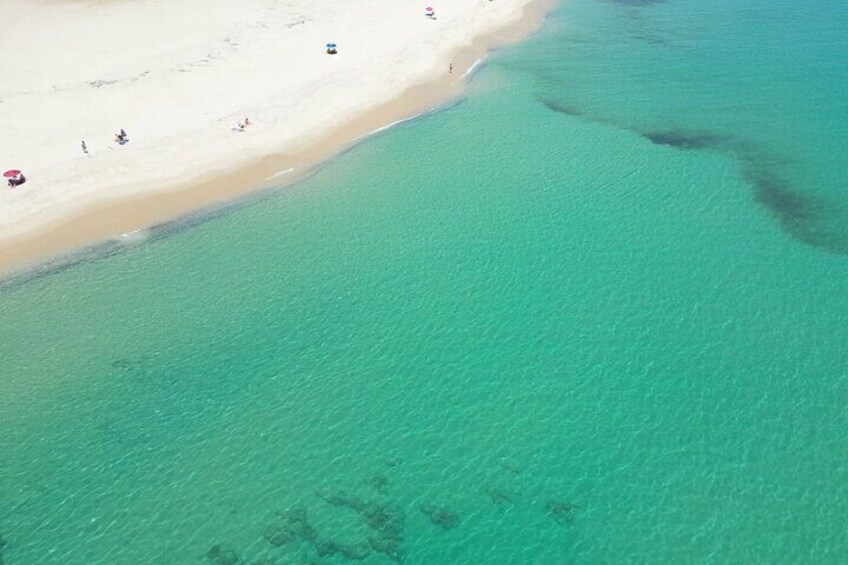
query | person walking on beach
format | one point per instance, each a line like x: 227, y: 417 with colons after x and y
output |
x: 84, y: 147
x: 450, y: 68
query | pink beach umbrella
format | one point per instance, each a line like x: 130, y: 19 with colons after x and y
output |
x: 429, y: 9
x: 11, y: 173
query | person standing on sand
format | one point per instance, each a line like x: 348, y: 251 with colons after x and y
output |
x: 450, y: 68
x: 84, y: 147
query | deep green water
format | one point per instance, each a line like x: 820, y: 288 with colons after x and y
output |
x: 611, y: 283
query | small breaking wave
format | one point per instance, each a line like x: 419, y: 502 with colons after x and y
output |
x: 475, y: 66
x: 281, y: 173
x: 389, y: 126
x: 134, y: 237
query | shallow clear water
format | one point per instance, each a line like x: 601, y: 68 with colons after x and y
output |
x: 596, y: 310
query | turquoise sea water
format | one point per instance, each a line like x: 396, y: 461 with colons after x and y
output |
x: 593, y: 313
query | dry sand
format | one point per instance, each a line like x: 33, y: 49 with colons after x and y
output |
x: 179, y: 76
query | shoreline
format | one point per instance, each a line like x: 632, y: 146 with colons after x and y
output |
x: 107, y: 221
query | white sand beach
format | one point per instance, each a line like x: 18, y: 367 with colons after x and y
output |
x: 179, y: 76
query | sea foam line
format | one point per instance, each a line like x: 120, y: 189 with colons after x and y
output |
x: 280, y: 173
x: 475, y: 66
x: 135, y: 236
x: 389, y: 126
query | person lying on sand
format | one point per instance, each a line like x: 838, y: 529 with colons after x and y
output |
x: 17, y: 180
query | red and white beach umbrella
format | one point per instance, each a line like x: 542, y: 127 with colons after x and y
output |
x: 11, y: 173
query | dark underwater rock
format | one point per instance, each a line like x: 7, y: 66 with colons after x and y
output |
x: 686, y: 140
x: 499, y: 496
x: 510, y: 468
x: 356, y: 552
x: 296, y: 524
x: 342, y: 499
x: 559, y: 107
x: 327, y: 548
x: 562, y: 512
x: 229, y: 557
x: 391, y: 548
x: 440, y: 516
x: 220, y: 556
x: 387, y: 522
x: 277, y: 535
x: 385, y: 519
x: 124, y: 364
x: 379, y: 482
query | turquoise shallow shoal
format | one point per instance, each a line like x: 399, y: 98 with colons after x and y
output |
x: 594, y: 312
